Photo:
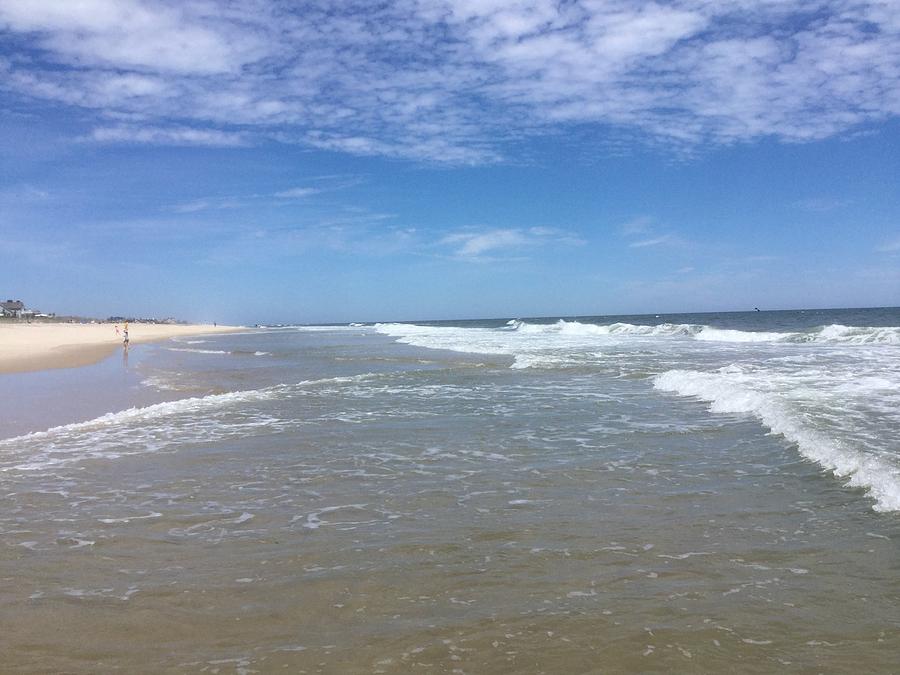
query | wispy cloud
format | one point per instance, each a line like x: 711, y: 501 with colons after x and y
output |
x: 168, y: 136
x: 454, y: 80
x: 821, y: 204
x: 474, y: 245
x: 297, y: 193
x: 643, y: 232
x: 636, y: 226
x: 653, y: 241
x: 890, y: 246
x: 324, y: 183
x: 207, y: 205
x: 23, y: 193
x: 353, y: 232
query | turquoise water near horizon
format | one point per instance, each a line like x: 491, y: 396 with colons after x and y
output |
x: 689, y: 493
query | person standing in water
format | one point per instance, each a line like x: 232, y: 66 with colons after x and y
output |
x: 125, y: 333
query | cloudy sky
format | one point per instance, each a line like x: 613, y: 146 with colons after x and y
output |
x: 260, y: 160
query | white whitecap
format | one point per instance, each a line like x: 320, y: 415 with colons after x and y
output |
x: 780, y: 401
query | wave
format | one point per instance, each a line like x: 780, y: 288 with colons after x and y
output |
x: 186, y: 405
x: 151, y: 412
x: 731, y: 390
x: 440, y: 336
x: 831, y: 334
x: 887, y: 335
x: 834, y: 333
x: 576, y: 328
x: 154, y: 427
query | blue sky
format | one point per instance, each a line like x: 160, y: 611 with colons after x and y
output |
x: 266, y: 161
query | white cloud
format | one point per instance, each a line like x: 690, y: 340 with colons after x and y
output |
x: 192, y: 206
x: 167, y: 136
x: 198, y: 205
x: 474, y: 245
x: 326, y: 183
x: 170, y: 37
x: 653, y: 241
x: 456, y: 80
x: 643, y: 233
x: 485, y: 245
x: 297, y: 193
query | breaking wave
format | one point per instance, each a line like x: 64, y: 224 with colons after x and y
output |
x: 518, y: 335
x: 834, y: 333
x: 788, y: 408
x: 158, y: 426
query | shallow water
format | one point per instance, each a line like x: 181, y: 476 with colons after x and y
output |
x: 611, y: 494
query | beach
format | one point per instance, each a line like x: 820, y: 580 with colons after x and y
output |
x: 684, y: 493
x: 38, y: 346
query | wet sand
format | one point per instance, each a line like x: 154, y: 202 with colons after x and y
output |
x: 39, y: 346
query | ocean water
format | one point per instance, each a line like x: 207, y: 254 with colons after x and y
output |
x: 676, y: 493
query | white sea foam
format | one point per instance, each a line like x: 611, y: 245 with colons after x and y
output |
x: 353, y: 327
x: 515, y: 334
x: 197, y: 351
x: 155, y: 411
x: 165, y: 383
x: 859, y: 335
x: 833, y: 390
x: 789, y: 406
x: 576, y: 328
x: 711, y: 334
x: 154, y: 427
x: 834, y: 333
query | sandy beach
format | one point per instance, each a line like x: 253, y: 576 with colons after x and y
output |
x: 39, y: 346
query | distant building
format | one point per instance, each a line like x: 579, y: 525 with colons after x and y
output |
x: 15, y: 309
x: 12, y: 309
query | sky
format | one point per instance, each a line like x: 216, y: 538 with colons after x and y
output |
x: 265, y: 161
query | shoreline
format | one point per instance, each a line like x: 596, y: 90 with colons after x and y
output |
x: 47, y: 346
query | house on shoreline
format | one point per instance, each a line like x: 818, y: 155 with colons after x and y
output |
x: 15, y: 309
x: 12, y: 309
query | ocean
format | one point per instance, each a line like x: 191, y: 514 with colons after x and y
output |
x: 692, y: 493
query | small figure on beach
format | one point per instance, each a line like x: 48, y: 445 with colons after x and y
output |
x: 117, y: 329
x: 125, y: 333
